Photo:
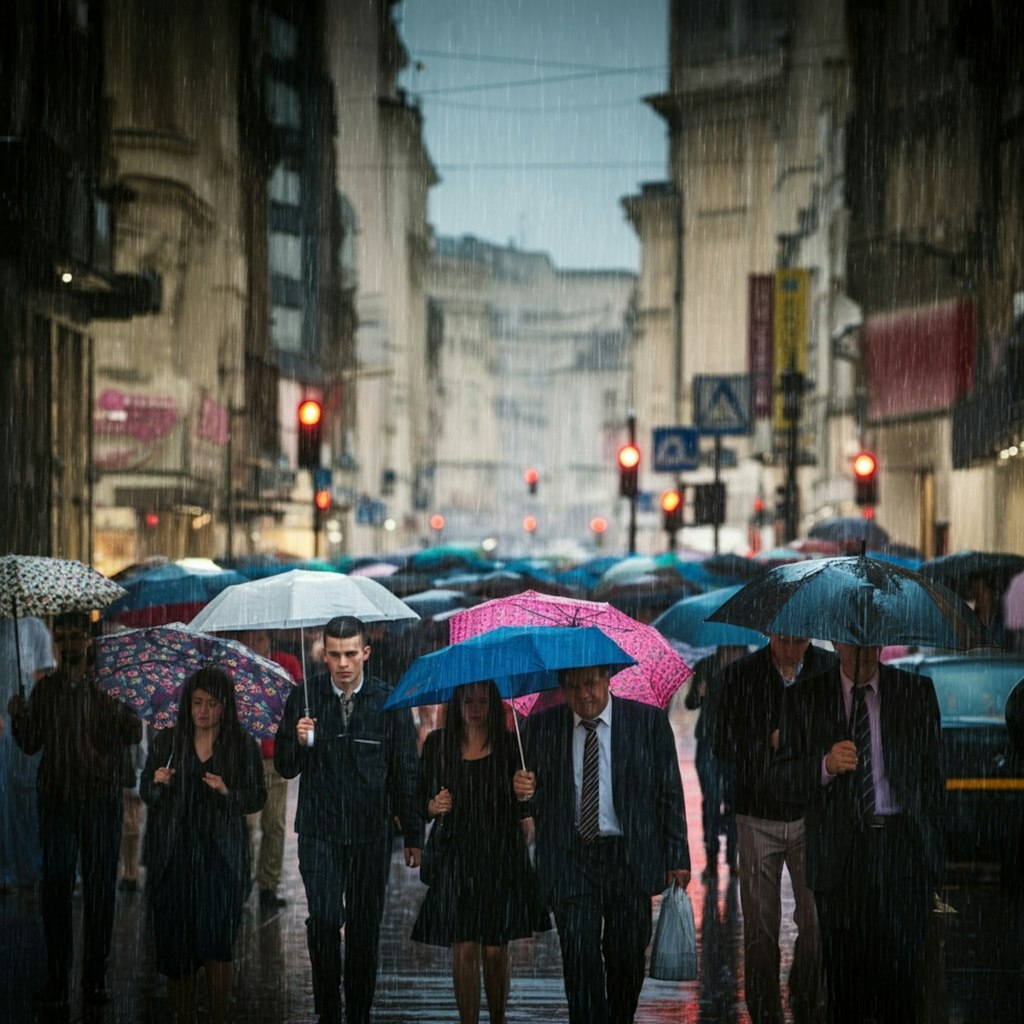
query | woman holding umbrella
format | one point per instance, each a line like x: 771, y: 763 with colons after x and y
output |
x: 482, y: 893
x: 201, y: 780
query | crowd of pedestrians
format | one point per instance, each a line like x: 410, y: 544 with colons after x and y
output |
x: 811, y: 762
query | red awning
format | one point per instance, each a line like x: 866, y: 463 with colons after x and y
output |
x: 919, y: 360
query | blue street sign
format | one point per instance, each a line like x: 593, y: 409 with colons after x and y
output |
x: 722, y: 404
x: 675, y: 449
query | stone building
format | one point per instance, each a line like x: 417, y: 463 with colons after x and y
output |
x: 529, y: 369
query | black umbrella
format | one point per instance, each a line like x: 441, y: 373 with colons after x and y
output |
x: 957, y: 570
x: 850, y: 530
x: 854, y: 600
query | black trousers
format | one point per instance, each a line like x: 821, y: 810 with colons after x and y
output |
x: 604, y: 926
x: 345, y: 888
x: 872, y: 930
x: 91, y: 830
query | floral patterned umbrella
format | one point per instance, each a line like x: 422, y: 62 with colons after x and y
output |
x: 146, y: 669
x: 36, y: 585
x: 659, y: 671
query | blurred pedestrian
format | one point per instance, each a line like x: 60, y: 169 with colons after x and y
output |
x: 21, y: 858
x: 862, y: 746
x: 485, y: 893
x: 133, y: 818
x: 201, y: 779
x: 84, y: 737
x: 718, y: 814
x: 607, y: 800
x: 770, y: 831
x: 359, y: 769
x: 268, y: 827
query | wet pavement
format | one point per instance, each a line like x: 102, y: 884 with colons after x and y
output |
x: 979, y: 980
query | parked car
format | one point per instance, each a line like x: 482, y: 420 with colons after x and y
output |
x: 984, y: 774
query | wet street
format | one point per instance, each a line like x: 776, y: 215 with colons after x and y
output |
x: 982, y: 979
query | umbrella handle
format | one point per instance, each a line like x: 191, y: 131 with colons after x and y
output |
x: 519, y: 738
x: 17, y: 646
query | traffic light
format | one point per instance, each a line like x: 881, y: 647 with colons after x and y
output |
x: 629, y: 470
x: 322, y: 501
x: 865, y: 475
x: 310, y: 423
x: 671, y: 511
x: 709, y: 504
x: 531, y: 476
x: 530, y: 524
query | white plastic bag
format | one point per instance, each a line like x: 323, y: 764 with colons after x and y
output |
x: 674, y: 954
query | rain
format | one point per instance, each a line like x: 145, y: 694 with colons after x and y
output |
x: 696, y: 323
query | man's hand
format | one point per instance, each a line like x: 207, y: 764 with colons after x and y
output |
x: 680, y: 876
x: 842, y: 758
x: 303, y: 728
x: 524, y: 784
x: 412, y: 856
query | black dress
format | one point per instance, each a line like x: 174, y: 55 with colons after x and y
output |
x: 485, y: 890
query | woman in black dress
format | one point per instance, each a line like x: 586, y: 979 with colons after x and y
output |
x: 201, y: 779
x: 482, y: 894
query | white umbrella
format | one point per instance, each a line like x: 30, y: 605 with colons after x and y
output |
x: 300, y: 598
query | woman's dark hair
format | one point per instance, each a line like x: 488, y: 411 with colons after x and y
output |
x: 455, y: 728
x: 231, y: 738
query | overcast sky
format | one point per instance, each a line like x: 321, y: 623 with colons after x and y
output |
x: 534, y: 117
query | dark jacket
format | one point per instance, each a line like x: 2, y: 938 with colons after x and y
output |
x: 749, y: 711
x: 84, y: 736
x: 355, y: 781
x: 813, y: 720
x: 646, y: 788
x: 224, y: 819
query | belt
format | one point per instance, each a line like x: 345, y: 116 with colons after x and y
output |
x: 882, y: 820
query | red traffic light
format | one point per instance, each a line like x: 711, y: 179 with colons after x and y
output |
x: 670, y: 501
x: 530, y: 524
x: 671, y: 511
x: 322, y: 500
x: 864, y: 465
x: 599, y: 524
x: 437, y: 522
x: 531, y: 476
x: 629, y: 456
x: 310, y: 412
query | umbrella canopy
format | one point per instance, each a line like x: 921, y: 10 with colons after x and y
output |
x: 854, y: 600
x: 659, y: 670
x: 36, y: 585
x: 434, y: 601
x: 520, y: 659
x: 170, y: 592
x: 297, y: 599
x: 146, y: 669
x: 957, y: 570
x: 850, y: 530
x: 684, y: 621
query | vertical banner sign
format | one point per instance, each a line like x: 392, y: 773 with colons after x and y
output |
x: 760, y: 342
x: 791, y: 287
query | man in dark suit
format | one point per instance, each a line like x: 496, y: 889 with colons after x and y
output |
x: 607, y: 801
x: 359, y: 768
x: 862, y: 746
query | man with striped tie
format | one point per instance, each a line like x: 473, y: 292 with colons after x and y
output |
x: 606, y: 797
x: 862, y: 745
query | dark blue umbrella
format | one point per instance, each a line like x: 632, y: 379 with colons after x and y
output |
x: 171, y: 592
x: 854, y: 600
x: 520, y: 659
x: 684, y: 621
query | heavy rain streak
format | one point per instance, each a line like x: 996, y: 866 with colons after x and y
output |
x: 512, y: 512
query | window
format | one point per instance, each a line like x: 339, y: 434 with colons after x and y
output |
x: 285, y: 255
x: 285, y: 186
x: 286, y: 328
x: 283, y: 104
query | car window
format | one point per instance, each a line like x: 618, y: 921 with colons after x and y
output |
x: 973, y: 689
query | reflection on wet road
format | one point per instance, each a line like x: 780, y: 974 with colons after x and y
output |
x: 983, y: 976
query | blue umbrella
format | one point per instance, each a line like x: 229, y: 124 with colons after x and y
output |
x: 520, y: 660
x: 170, y: 592
x: 684, y: 621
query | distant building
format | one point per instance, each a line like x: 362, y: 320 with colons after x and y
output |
x: 530, y: 368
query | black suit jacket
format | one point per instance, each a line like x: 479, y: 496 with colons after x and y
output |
x: 813, y: 719
x: 646, y: 787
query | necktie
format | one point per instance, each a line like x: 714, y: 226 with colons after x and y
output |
x: 347, y: 703
x: 590, y: 791
x: 864, y: 777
